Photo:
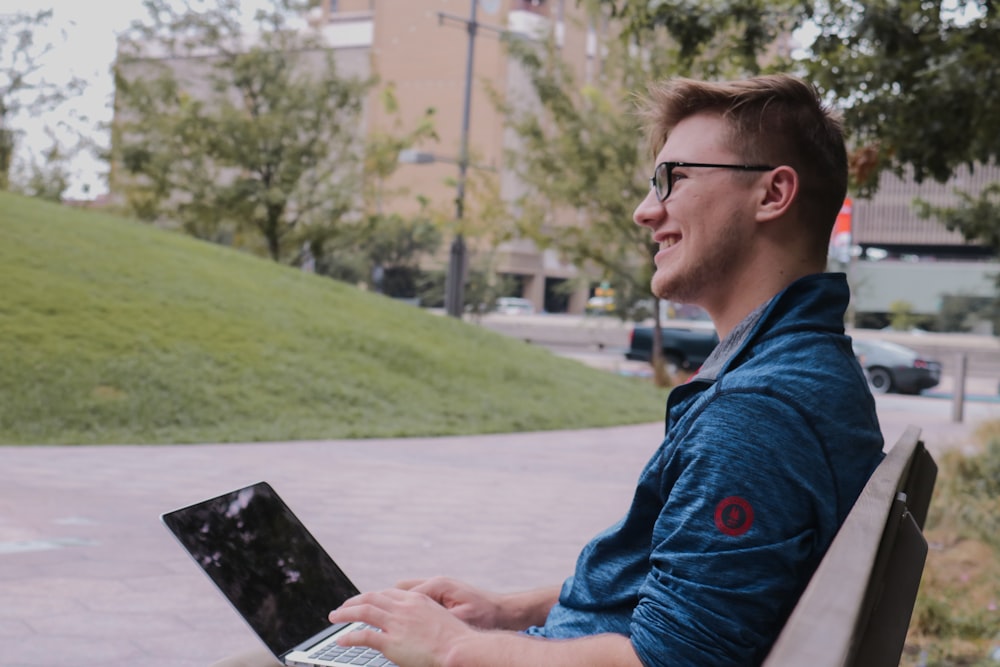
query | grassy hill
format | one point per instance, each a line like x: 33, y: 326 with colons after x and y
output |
x: 112, y: 331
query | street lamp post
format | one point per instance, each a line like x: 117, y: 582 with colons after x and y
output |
x: 454, y: 297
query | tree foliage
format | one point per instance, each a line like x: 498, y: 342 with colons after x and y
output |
x: 245, y: 137
x: 582, y: 153
x: 919, y: 79
x: 718, y: 38
x: 383, y: 248
x: 47, y: 178
x: 921, y: 84
x: 382, y: 251
x: 976, y: 217
x: 582, y: 160
x: 23, y: 88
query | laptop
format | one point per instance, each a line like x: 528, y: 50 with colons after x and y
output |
x: 274, y: 573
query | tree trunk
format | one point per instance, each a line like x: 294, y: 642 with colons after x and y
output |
x: 661, y: 377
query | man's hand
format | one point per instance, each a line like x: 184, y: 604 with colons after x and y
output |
x: 476, y: 607
x: 483, y: 609
x: 415, y: 631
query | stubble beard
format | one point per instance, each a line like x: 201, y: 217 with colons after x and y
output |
x: 692, y: 281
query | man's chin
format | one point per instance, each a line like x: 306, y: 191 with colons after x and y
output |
x: 662, y: 288
x: 671, y: 291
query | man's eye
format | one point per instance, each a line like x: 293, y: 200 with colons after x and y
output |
x: 674, y: 177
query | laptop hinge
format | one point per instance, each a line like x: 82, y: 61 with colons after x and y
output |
x: 317, y: 638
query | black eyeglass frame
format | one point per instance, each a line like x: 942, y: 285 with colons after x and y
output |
x: 670, y: 166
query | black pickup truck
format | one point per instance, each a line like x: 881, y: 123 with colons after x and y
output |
x: 684, y: 347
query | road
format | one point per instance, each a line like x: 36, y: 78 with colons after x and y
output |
x: 602, y: 341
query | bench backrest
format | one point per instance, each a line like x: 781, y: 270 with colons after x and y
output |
x: 857, y: 606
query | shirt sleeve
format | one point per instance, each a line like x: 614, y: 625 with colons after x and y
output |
x: 749, y: 508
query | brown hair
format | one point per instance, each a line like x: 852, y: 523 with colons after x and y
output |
x: 775, y: 119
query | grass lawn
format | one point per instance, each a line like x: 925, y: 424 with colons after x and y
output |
x: 956, y: 620
x: 112, y: 331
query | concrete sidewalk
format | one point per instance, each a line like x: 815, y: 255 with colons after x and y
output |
x: 89, y: 577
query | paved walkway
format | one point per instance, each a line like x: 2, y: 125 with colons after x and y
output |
x: 89, y: 577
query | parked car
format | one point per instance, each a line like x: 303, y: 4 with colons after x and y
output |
x: 600, y: 305
x: 894, y: 367
x: 684, y: 348
x: 514, y: 305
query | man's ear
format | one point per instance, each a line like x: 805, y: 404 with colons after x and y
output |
x: 781, y: 187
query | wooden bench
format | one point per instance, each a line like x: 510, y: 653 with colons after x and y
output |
x: 857, y: 606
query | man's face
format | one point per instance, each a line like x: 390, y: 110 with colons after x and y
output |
x: 703, y: 228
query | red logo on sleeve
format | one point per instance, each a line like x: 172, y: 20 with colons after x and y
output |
x: 733, y: 516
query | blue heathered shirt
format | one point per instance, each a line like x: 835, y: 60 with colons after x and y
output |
x: 766, y: 450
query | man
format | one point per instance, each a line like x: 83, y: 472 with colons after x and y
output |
x: 766, y: 448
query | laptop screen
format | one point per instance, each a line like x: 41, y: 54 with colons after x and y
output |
x: 265, y: 562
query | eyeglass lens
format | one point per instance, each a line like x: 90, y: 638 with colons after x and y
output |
x: 662, y: 177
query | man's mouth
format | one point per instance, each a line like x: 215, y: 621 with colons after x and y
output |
x: 669, y: 242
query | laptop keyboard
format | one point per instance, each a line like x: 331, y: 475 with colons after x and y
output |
x: 353, y: 655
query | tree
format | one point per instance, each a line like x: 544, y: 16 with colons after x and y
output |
x: 919, y: 82
x: 249, y: 139
x: 23, y: 89
x: 486, y: 225
x: 383, y: 249
x: 713, y: 39
x: 582, y: 154
x: 579, y: 156
x: 48, y: 179
x: 977, y: 217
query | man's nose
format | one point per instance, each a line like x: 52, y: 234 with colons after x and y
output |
x: 649, y: 211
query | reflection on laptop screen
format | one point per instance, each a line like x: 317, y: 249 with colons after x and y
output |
x: 265, y: 561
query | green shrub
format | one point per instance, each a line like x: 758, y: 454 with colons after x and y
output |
x: 957, y: 613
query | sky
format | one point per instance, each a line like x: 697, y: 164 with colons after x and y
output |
x: 83, y: 36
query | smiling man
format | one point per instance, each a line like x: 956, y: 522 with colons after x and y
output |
x: 766, y: 448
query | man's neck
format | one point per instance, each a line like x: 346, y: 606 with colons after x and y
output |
x: 759, y: 284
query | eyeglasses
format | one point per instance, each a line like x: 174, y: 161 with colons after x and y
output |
x: 663, y: 176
